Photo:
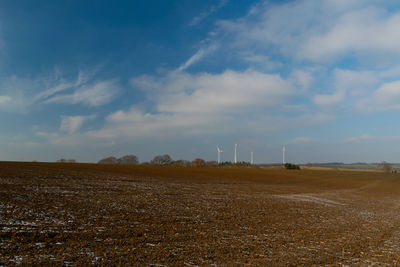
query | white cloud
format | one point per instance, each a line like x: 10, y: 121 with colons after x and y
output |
x: 363, y: 137
x: 300, y: 140
x: 307, y: 39
x: 186, y: 104
x: 385, y: 98
x: 228, y: 92
x: 71, y: 124
x: 329, y: 100
x: 348, y: 83
x: 304, y: 37
x: 282, y: 26
x: 317, y: 30
x: 260, y: 60
x: 136, y: 123
x: 355, y: 82
x: 368, y: 30
x: 204, y: 103
x: 75, y: 141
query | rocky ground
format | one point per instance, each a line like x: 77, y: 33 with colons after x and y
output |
x: 82, y: 214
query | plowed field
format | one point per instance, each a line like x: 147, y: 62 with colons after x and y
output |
x: 82, y: 214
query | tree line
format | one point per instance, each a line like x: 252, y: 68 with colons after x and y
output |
x: 166, y: 160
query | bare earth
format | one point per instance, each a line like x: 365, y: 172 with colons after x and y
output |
x: 81, y: 214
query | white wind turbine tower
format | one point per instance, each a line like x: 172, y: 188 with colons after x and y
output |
x: 219, y: 154
x: 235, y: 159
x: 283, y: 155
x: 251, y: 158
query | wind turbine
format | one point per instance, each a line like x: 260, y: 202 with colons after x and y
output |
x: 251, y: 158
x: 219, y: 154
x: 235, y: 159
x: 283, y: 155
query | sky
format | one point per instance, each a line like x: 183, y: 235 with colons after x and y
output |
x: 91, y: 79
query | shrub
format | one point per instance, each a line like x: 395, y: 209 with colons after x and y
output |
x: 290, y: 166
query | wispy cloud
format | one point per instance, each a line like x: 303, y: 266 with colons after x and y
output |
x: 201, y: 53
x: 135, y: 123
x: 300, y: 140
x: 367, y: 138
x: 60, y: 87
x: 71, y: 124
x: 19, y: 94
x: 196, y: 20
x: 330, y: 32
x: 362, y: 31
x: 260, y: 60
x: 4, y: 99
x: 363, y: 137
x: 92, y: 95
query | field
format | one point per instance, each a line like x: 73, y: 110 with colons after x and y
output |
x: 81, y: 214
x: 377, y: 167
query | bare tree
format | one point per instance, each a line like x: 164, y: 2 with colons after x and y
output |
x: 385, y: 166
x: 109, y: 160
x: 162, y: 160
x: 128, y: 159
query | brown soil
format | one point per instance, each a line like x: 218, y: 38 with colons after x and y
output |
x: 82, y: 214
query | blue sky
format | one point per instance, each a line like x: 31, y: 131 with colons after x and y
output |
x: 90, y: 79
